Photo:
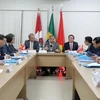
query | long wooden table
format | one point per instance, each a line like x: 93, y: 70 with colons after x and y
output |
x: 83, y: 81
x: 13, y: 85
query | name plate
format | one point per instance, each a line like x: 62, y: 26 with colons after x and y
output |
x: 96, y: 79
x: 9, y: 68
x: 42, y: 51
x: 19, y: 62
x: 32, y: 51
x: 1, y: 70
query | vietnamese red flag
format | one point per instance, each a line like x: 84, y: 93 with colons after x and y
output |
x: 80, y: 49
x: 38, y: 30
x: 61, y: 38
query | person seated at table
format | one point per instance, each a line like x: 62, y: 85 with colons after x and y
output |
x: 50, y: 46
x: 10, y: 39
x: 96, y: 44
x: 88, y: 42
x: 5, y: 50
x: 71, y: 45
x: 32, y: 44
x: 1, y: 45
x: 5, y: 46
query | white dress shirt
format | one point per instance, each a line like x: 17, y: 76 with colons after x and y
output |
x: 31, y: 45
x: 71, y: 46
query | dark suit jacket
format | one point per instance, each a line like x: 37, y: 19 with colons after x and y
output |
x: 91, y: 48
x: 97, y: 51
x: 1, y: 54
x: 54, y: 46
x: 67, y: 46
x: 11, y: 49
x: 7, y: 49
x: 35, y: 45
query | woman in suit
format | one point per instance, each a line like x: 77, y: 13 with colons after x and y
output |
x: 71, y: 44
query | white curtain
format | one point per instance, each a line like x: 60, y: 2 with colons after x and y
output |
x: 10, y: 22
x: 81, y: 24
x: 29, y: 23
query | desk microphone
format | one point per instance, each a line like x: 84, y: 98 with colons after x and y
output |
x: 51, y: 45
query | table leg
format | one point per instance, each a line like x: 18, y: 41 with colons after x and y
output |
x: 33, y: 74
x: 26, y: 99
x: 69, y: 73
x: 23, y: 93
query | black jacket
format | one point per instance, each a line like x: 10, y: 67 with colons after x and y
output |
x: 35, y: 45
x: 67, y: 46
x: 1, y: 54
x: 91, y: 48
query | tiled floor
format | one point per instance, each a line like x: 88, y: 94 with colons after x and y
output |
x: 49, y: 88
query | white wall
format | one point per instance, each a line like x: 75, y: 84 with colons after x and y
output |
x: 78, y: 23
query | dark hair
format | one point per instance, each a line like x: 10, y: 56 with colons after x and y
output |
x: 72, y: 36
x: 88, y: 39
x: 97, y: 40
x: 51, y: 36
x: 9, y: 37
x: 30, y: 34
x: 2, y: 36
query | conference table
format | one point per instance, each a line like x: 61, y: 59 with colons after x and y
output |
x: 13, y: 85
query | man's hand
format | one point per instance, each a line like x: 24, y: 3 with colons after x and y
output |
x: 98, y: 60
x: 94, y: 57
x: 2, y: 62
x: 66, y: 51
x: 46, y: 48
x: 7, y: 56
x: 57, y: 50
x: 17, y: 54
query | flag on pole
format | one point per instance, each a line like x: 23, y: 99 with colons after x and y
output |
x: 61, y: 38
x: 80, y: 49
x: 22, y: 47
x: 51, y: 30
x: 38, y: 30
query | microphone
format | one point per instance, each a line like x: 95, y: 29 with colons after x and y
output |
x: 51, y: 45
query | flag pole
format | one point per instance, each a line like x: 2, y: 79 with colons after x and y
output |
x: 38, y: 8
x: 52, y: 8
x: 61, y: 7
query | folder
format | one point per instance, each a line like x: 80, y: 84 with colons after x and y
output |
x: 92, y: 65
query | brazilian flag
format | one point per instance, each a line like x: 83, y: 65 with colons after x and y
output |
x: 51, y: 30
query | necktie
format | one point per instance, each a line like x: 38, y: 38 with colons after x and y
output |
x: 71, y: 46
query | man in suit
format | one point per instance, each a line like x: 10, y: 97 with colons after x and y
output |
x: 9, y: 47
x: 50, y: 46
x: 88, y: 42
x: 32, y: 43
x: 70, y: 45
x: 1, y: 45
x: 96, y: 43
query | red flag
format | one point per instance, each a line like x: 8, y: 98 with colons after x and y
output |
x: 80, y: 49
x: 61, y: 38
x: 21, y: 47
x: 38, y: 30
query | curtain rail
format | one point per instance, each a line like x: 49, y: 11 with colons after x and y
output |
x: 22, y: 10
x: 80, y: 11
